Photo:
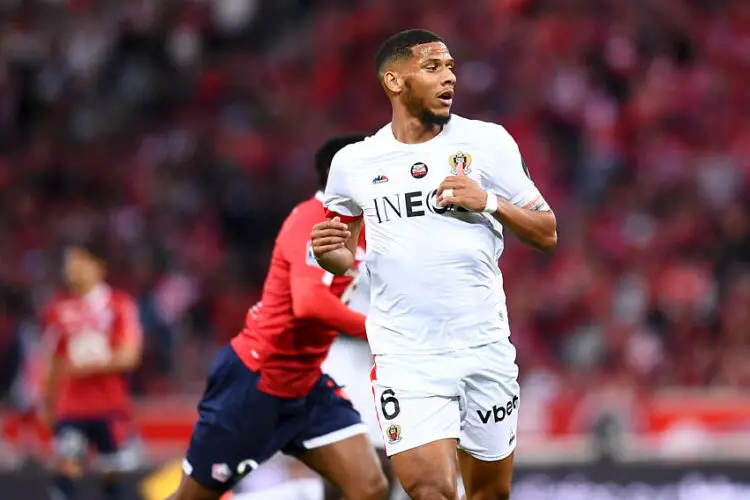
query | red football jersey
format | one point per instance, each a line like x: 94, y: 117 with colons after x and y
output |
x: 289, y: 332
x: 85, y: 330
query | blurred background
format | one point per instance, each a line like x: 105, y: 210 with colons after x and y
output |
x: 182, y: 131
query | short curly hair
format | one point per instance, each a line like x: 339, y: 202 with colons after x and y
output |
x: 399, y: 47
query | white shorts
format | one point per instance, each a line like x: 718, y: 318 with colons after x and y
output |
x: 348, y: 363
x: 471, y: 395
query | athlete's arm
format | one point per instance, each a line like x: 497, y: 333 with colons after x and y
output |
x: 335, y: 241
x: 335, y: 244
x: 537, y: 229
x: 129, y: 348
x: 520, y: 206
x: 534, y: 227
x: 312, y: 298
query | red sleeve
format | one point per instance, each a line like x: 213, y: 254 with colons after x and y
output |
x: 128, y: 326
x: 311, y: 295
x: 346, y: 219
x: 53, y: 340
x: 362, y: 237
x: 315, y: 301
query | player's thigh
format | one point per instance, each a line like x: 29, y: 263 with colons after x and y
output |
x: 486, y: 480
x: 351, y: 465
x: 429, y: 471
x: 420, y: 433
x: 333, y: 442
x: 238, y: 427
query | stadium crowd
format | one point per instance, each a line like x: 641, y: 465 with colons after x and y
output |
x: 182, y: 132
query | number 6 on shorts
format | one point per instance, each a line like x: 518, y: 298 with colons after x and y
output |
x: 408, y: 420
x: 389, y: 404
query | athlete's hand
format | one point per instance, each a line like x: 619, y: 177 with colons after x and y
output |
x: 329, y: 235
x: 462, y: 191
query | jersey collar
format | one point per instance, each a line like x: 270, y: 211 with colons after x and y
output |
x: 98, y: 297
x: 391, y: 138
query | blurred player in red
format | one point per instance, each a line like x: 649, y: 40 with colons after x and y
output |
x: 265, y: 391
x: 93, y: 340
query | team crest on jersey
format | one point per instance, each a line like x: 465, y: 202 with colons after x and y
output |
x: 310, y: 257
x: 394, y: 434
x: 418, y: 170
x: 380, y: 179
x: 460, y: 160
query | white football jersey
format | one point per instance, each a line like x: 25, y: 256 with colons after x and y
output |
x: 359, y: 299
x: 433, y: 273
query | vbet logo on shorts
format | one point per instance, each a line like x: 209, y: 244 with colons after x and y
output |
x: 499, y: 412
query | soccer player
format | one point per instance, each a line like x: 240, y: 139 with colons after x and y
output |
x: 92, y: 337
x: 436, y: 191
x: 265, y: 391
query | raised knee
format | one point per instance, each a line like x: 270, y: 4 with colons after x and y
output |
x: 373, y: 487
x: 424, y: 491
x: 376, y: 488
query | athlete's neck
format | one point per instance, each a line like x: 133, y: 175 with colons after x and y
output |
x: 84, y: 289
x: 412, y: 130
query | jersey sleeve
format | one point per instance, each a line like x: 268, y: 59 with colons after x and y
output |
x: 310, y: 284
x: 339, y: 200
x: 296, y: 247
x: 509, y: 177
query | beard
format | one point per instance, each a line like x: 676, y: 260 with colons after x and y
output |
x: 430, y: 118
x: 417, y: 107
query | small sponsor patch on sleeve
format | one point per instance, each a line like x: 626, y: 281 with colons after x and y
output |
x: 537, y: 204
x: 310, y: 257
x: 531, y: 200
